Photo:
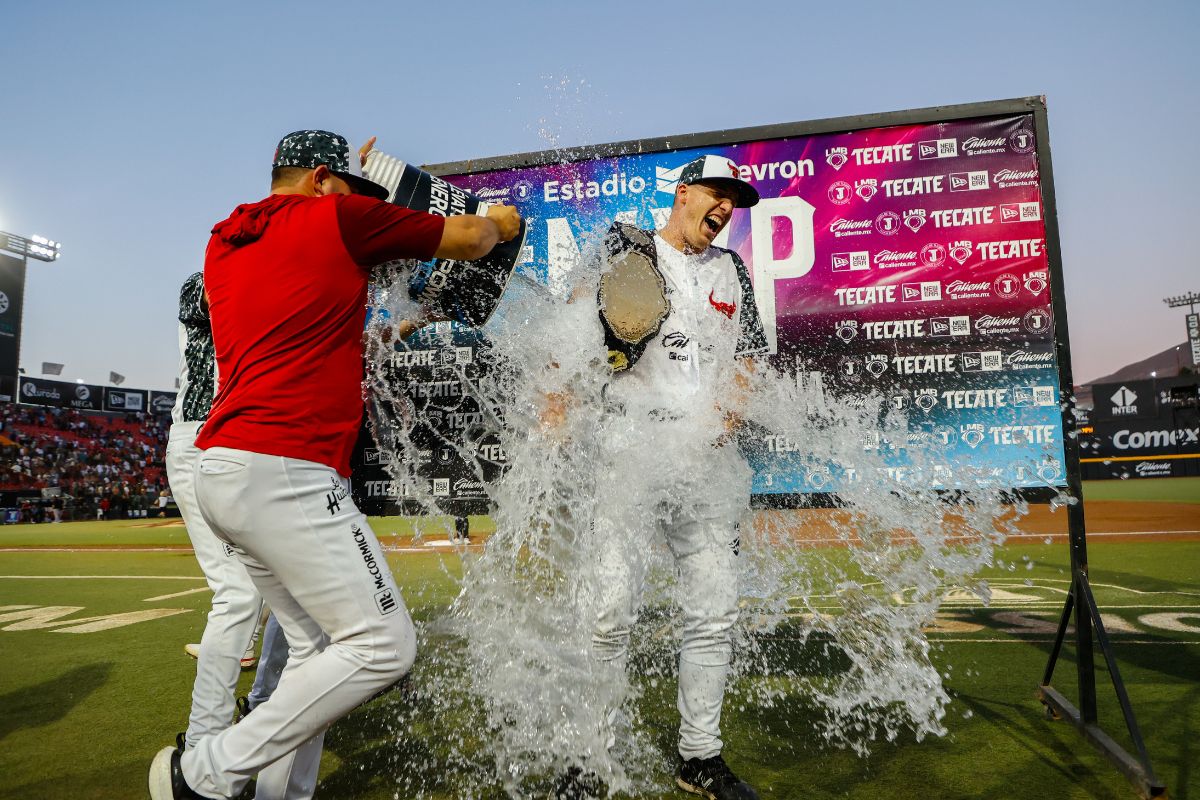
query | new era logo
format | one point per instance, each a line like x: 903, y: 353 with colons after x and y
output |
x: 851, y: 262
x: 919, y: 292
x: 1020, y: 212
x: 937, y: 148
x: 968, y: 181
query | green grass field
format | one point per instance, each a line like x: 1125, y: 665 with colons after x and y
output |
x: 83, y: 707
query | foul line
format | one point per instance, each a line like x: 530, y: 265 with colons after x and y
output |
x: 176, y: 594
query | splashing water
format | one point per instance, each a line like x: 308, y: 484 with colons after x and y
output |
x: 508, y: 678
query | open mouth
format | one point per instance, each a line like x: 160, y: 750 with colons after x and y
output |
x: 713, y: 224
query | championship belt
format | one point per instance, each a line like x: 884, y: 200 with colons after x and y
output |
x: 464, y: 291
x: 633, y: 294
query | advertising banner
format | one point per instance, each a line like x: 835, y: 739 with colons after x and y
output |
x: 456, y: 447
x: 61, y: 394
x: 1143, y: 429
x: 1128, y: 400
x: 125, y: 399
x: 908, y: 261
x: 162, y: 402
x: 12, y: 294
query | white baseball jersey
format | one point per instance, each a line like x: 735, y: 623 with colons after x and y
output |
x: 712, y: 321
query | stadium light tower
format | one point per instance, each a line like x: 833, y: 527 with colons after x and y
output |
x: 12, y: 301
x: 38, y: 247
x: 1193, y: 321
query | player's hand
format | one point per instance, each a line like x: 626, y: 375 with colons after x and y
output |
x: 365, y: 150
x: 507, y: 220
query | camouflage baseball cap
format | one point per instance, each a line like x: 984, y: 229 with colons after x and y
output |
x: 311, y: 149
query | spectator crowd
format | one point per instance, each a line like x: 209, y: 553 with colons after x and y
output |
x: 103, y: 466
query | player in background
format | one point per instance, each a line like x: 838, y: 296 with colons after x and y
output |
x: 286, y: 280
x: 232, y: 624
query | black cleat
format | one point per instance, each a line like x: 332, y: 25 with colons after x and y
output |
x: 166, y: 778
x: 180, y: 742
x: 579, y: 785
x: 712, y: 778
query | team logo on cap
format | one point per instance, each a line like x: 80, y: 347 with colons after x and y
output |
x: 836, y: 157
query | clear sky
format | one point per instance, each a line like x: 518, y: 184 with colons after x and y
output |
x: 127, y: 129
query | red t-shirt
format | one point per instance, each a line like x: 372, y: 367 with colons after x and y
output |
x: 286, y: 280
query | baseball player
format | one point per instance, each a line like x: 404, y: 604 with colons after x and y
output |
x: 670, y: 408
x: 232, y: 624
x: 286, y: 280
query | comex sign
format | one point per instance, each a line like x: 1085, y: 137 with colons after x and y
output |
x: 1142, y: 440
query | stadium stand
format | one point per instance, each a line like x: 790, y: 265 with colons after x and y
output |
x: 76, y: 465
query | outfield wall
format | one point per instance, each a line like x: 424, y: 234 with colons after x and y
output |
x: 1143, y: 429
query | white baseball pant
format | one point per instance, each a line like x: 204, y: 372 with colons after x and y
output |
x: 233, y: 622
x: 659, y: 478
x: 320, y: 568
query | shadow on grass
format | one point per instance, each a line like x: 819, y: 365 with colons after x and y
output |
x: 51, y: 700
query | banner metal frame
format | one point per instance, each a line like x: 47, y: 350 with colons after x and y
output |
x: 1080, y: 603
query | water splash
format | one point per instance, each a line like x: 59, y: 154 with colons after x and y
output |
x: 853, y: 587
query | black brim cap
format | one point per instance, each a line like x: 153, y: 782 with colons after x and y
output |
x: 720, y: 171
x: 361, y: 185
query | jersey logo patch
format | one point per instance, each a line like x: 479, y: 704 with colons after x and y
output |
x: 725, y: 308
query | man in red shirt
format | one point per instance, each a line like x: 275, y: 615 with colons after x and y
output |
x: 286, y: 280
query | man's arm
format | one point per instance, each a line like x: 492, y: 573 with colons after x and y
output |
x: 470, y: 236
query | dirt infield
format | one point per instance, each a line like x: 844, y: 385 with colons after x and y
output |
x: 1109, y: 520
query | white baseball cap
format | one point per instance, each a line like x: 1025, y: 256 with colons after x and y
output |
x: 720, y: 171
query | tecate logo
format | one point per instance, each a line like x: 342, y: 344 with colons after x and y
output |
x: 1011, y: 248
x: 888, y: 154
